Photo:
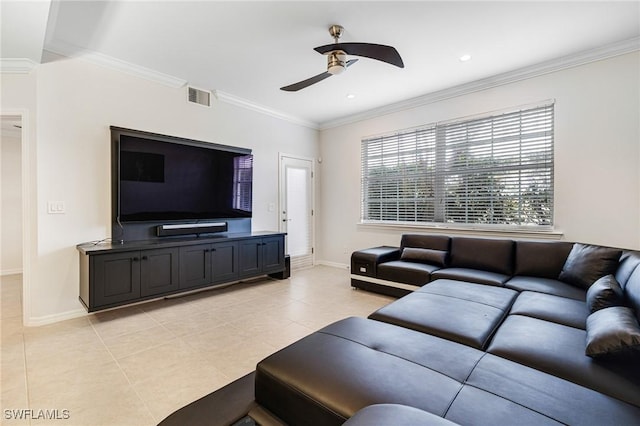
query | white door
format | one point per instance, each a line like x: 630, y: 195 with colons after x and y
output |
x: 296, y: 208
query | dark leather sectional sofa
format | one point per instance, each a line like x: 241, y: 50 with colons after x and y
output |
x: 489, y: 332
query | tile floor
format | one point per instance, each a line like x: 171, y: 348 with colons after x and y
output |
x: 136, y: 365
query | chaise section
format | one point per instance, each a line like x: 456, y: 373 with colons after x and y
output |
x: 559, y: 350
x: 552, y: 398
x: 328, y: 376
x: 458, y: 311
x: 339, y: 371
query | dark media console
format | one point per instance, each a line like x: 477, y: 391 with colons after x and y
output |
x: 113, y: 274
x: 181, y: 220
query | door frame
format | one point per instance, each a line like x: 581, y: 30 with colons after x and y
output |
x: 281, y: 192
x: 26, y: 194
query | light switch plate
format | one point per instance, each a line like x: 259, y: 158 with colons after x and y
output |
x: 55, y: 207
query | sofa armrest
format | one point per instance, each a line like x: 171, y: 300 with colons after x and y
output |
x: 365, y: 262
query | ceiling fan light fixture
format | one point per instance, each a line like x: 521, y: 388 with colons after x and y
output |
x: 336, y: 63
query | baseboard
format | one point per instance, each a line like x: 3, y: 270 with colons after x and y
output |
x: 332, y: 264
x: 50, y: 319
x: 14, y: 271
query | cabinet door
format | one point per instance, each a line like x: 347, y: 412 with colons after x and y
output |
x: 195, y: 265
x: 250, y: 257
x: 272, y: 254
x: 159, y: 271
x: 224, y: 262
x: 116, y: 278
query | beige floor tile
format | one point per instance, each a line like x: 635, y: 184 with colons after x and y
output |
x: 136, y: 365
x: 170, y: 389
x: 238, y: 360
x: 121, y: 321
x: 129, y: 344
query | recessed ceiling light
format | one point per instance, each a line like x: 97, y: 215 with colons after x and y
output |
x: 465, y: 58
x: 351, y: 96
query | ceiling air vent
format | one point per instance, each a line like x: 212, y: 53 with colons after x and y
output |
x: 200, y: 97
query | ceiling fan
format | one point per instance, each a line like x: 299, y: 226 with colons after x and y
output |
x: 337, y: 57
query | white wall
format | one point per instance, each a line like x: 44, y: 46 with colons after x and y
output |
x: 597, y: 156
x: 11, y: 210
x: 76, y: 103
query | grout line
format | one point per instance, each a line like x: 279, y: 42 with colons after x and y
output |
x: 131, y: 385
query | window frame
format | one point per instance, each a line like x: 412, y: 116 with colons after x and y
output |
x: 439, y: 163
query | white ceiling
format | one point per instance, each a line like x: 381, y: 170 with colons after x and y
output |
x: 250, y: 49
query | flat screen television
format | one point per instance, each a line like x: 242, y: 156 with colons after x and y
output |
x: 166, y: 179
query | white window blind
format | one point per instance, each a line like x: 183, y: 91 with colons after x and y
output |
x: 242, y: 187
x: 494, y: 170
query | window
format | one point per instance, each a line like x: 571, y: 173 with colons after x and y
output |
x: 242, y: 186
x: 494, y: 170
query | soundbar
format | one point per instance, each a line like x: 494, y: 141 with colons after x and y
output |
x: 190, y: 228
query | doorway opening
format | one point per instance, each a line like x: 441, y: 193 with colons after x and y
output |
x: 296, y: 209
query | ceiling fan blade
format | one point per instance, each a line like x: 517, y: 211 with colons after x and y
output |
x: 306, y: 83
x: 313, y: 80
x: 380, y: 52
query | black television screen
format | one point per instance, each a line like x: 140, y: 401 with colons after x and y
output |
x: 169, y: 180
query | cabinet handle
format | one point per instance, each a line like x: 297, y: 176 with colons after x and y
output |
x: 135, y: 259
x: 144, y: 258
x: 213, y: 249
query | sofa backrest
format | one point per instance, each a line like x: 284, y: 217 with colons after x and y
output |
x: 433, y: 242
x: 482, y: 253
x: 632, y: 291
x: 629, y: 261
x: 543, y: 259
x: 628, y: 275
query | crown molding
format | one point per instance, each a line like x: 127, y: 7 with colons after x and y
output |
x: 247, y: 104
x: 17, y: 65
x: 557, y: 64
x: 68, y: 50
x: 71, y: 51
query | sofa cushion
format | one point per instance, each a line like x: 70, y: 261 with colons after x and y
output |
x: 557, y: 399
x: 331, y: 374
x: 561, y: 310
x: 470, y: 275
x: 613, y: 331
x: 586, y: 263
x: 395, y: 414
x: 457, y: 311
x: 546, y: 285
x: 604, y: 293
x: 434, y: 242
x: 482, y: 253
x: 406, y: 272
x: 559, y: 350
x: 492, y: 296
x: 433, y: 257
x: 477, y: 407
x: 541, y: 259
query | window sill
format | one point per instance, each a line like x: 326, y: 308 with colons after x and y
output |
x: 518, y: 232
